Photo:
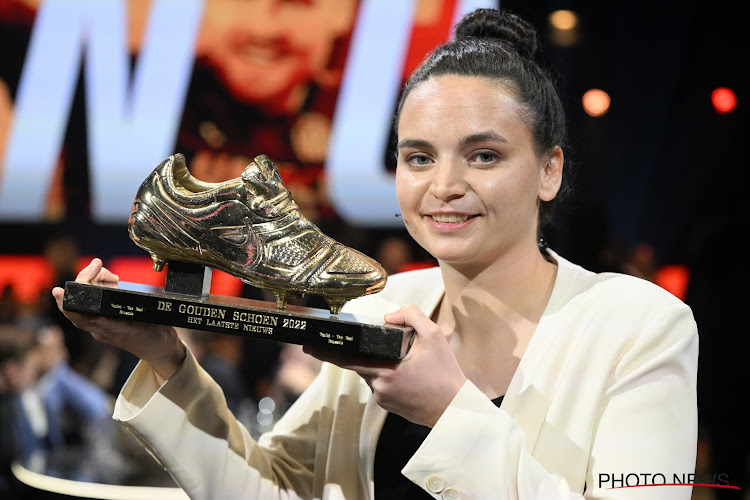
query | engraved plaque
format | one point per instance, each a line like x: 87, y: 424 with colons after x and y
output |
x: 363, y: 335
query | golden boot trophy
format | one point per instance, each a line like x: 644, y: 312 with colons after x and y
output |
x: 250, y: 228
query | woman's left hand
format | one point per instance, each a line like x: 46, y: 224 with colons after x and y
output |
x: 418, y: 387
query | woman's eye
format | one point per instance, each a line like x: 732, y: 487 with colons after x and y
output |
x: 485, y: 157
x: 419, y: 160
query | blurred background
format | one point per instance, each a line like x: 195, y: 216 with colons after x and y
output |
x: 94, y: 94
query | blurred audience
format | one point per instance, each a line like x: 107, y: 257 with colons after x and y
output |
x: 68, y: 397
x: 17, y: 373
x: 641, y: 262
x: 9, y: 307
x: 393, y: 253
x: 46, y: 408
x: 62, y: 252
x: 280, y: 378
x: 52, y: 406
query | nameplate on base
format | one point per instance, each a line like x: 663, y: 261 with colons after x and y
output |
x: 367, y: 336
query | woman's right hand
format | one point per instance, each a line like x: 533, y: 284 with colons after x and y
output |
x: 157, y: 344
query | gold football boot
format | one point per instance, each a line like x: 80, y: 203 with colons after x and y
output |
x: 250, y: 228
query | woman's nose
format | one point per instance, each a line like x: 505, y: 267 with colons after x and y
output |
x: 448, y: 181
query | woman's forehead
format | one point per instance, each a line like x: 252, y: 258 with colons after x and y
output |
x: 461, y: 104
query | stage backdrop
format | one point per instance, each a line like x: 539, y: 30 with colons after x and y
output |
x: 94, y: 94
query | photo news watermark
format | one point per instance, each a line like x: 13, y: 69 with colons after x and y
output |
x: 645, y: 479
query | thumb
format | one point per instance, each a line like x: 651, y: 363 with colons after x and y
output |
x: 410, y: 315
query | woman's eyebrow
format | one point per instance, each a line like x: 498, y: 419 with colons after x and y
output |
x: 482, y: 137
x: 414, y: 143
x: 469, y: 139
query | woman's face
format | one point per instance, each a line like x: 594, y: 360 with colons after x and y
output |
x: 468, y: 179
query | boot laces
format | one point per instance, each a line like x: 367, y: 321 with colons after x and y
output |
x: 281, y: 203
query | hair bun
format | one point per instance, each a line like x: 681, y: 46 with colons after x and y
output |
x: 500, y: 26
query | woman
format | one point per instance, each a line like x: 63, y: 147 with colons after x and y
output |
x: 529, y: 378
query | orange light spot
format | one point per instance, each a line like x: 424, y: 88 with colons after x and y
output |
x: 563, y: 20
x: 596, y: 102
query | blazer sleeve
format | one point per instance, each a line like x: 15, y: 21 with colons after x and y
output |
x: 646, y: 424
x: 186, y: 426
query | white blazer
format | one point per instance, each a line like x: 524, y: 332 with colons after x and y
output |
x: 603, y: 400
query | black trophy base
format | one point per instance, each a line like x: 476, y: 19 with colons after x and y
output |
x: 187, y: 304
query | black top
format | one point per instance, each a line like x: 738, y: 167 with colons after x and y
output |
x: 399, y: 441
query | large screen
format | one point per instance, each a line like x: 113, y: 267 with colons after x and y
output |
x: 96, y: 93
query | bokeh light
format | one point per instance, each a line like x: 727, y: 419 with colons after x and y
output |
x: 596, y: 102
x: 724, y: 100
x: 563, y: 20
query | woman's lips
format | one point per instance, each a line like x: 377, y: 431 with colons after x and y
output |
x: 450, y: 222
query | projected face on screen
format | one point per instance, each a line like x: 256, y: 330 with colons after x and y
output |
x: 268, y: 51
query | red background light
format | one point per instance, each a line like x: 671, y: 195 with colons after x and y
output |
x: 724, y: 100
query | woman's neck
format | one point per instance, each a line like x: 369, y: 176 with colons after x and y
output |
x: 510, y: 291
x: 490, y: 316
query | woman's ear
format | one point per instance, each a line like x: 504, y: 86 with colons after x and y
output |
x: 551, y: 176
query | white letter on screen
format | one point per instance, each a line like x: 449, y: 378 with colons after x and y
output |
x: 359, y: 187
x: 131, y: 126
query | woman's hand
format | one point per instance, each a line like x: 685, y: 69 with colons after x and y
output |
x: 157, y: 344
x: 418, y: 387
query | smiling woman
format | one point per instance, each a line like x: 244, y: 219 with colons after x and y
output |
x: 529, y: 377
x: 467, y: 164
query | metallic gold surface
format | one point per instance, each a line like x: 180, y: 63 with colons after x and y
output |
x: 250, y: 228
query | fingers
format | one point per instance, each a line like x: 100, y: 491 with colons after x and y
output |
x: 90, y: 272
x: 93, y: 273
x: 408, y: 315
x: 75, y: 318
x: 411, y: 316
x: 367, y: 379
x: 106, y: 276
x: 96, y: 273
x: 58, y: 294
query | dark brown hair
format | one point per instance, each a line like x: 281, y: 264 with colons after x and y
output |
x: 501, y: 46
